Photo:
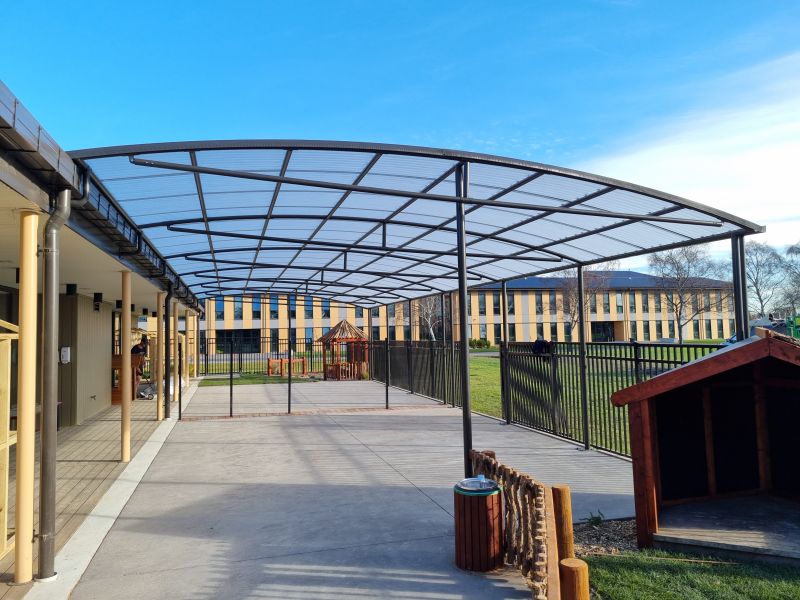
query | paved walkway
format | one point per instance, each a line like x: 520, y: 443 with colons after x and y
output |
x: 349, y: 502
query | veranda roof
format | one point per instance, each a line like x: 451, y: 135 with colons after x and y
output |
x: 343, y: 331
x: 373, y: 224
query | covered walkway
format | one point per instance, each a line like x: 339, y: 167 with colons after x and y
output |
x: 344, y: 501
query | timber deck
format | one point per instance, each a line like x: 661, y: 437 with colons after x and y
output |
x: 749, y: 525
x: 88, y: 463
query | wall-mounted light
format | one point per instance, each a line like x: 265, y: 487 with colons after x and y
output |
x: 145, y: 312
x: 118, y: 305
x: 72, y: 289
x: 98, y: 300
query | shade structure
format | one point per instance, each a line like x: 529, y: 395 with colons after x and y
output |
x: 343, y: 331
x: 374, y: 224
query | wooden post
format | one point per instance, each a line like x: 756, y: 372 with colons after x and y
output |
x: 176, y: 376
x: 185, y: 346
x: 125, y: 374
x: 711, y: 469
x: 159, y: 371
x: 26, y: 395
x: 562, y: 506
x: 196, y: 323
x: 574, y: 575
x: 762, y: 430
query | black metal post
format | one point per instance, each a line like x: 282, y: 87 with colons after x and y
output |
x: 388, y: 372
x: 230, y: 377
x: 289, y: 387
x: 180, y: 387
x: 637, y: 362
x: 462, y: 190
x: 410, y: 367
x: 505, y: 399
x: 451, y: 370
x: 739, y: 288
x: 582, y: 358
x: 504, y: 308
x: 441, y: 312
x: 167, y: 352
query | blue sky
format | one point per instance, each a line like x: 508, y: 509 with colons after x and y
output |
x: 582, y: 84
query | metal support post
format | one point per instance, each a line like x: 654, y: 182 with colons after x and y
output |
x: 230, y: 377
x: 49, y: 427
x: 167, y: 347
x: 582, y: 358
x: 451, y: 369
x: 504, y: 308
x: 388, y: 372
x: 125, y: 376
x: 462, y: 190
x: 505, y: 400
x: 289, y: 387
x: 441, y: 312
x: 740, y: 315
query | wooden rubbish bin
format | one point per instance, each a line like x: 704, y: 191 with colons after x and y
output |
x: 479, y: 524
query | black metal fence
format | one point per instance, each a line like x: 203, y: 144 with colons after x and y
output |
x: 540, y: 385
x: 216, y: 358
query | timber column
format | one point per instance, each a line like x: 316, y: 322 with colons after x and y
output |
x: 186, y: 336
x: 125, y: 375
x: 176, y: 376
x: 160, y: 356
x: 26, y: 394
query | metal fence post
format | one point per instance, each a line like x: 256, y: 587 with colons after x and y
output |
x: 637, y: 362
x: 505, y: 399
x: 410, y: 366
x: 180, y: 387
x: 289, y: 394
x: 230, y: 377
x: 388, y: 372
x: 582, y: 359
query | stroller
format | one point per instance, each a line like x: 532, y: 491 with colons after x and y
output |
x: 147, y: 390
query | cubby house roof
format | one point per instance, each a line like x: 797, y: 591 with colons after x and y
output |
x: 742, y: 353
x: 343, y: 331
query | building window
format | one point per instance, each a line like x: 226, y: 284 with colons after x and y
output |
x: 646, y: 330
x: 670, y: 302
x: 606, y: 303
x: 720, y: 332
x: 660, y: 329
x: 389, y: 308
x: 539, y: 331
x: 469, y: 305
x: 593, y: 303
x: 482, y: 330
x: 376, y: 332
x: 238, y: 308
x: 496, y: 303
x: 510, y: 300
x: 392, y: 332
x: 568, y: 332
x: 292, y: 306
x: 553, y: 303
x: 657, y: 297
x: 273, y: 339
x: 273, y: 306
x: 326, y: 309
x: 718, y: 295
x: 497, y: 333
x: 482, y: 305
x: 553, y: 332
x: 407, y: 332
x: 672, y: 329
x: 708, y: 329
x: 219, y: 308
x: 707, y: 302
x: 512, y: 332
x: 620, y: 307
x: 308, y: 307
x: 255, y: 306
x: 538, y: 301
x: 376, y: 313
x: 695, y: 308
x: 309, y: 333
x: 359, y: 312
x: 696, y: 328
x: 632, y: 301
x: 731, y: 327
x: 634, y: 331
x: 645, y: 302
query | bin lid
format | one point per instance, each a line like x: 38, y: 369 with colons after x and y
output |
x: 477, y: 486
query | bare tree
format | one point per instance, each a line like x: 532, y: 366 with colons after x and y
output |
x: 429, y: 315
x: 684, y: 274
x: 595, y: 279
x: 765, y: 272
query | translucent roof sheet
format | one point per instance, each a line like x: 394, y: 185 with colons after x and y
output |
x: 373, y: 224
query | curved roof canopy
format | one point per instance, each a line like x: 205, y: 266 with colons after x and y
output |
x: 373, y: 224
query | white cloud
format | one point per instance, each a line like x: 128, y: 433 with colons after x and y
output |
x: 739, y: 151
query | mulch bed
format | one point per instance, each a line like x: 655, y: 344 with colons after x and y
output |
x: 605, y: 537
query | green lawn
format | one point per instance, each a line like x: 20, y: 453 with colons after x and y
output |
x: 657, y: 575
x: 484, y: 385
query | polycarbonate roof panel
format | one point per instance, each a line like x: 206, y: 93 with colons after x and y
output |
x: 374, y: 223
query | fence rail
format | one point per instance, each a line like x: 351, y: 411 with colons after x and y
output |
x: 540, y: 383
x: 261, y: 356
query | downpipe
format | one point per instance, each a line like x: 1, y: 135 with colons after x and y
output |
x: 50, y: 359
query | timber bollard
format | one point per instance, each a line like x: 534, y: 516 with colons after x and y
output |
x: 562, y: 506
x: 574, y: 575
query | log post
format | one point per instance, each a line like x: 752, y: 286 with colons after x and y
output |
x: 562, y: 505
x: 574, y: 575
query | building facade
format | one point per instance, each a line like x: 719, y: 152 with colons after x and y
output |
x: 628, y: 305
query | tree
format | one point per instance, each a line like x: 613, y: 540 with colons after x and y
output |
x: 595, y: 279
x: 765, y: 271
x: 429, y: 316
x: 683, y: 273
